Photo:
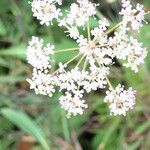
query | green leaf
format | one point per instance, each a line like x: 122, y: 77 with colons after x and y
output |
x: 2, y: 29
x: 135, y: 145
x: 11, y: 79
x: 5, y: 124
x: 25, y: 123
x: 1, y: 147
x: 4, y: 6
x: 4, y: 63
x: 15, y: 9
x: 109, y: 132
x: 144, y: 37
x: 140, y: 129
x: 17, y: 51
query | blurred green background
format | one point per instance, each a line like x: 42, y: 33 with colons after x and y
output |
x: 28, y: 121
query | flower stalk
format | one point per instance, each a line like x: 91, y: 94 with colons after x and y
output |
x: 66, y: 50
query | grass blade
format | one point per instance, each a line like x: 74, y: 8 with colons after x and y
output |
x: 143, y: 127
x: 25, y: 123
x: 110, y: 131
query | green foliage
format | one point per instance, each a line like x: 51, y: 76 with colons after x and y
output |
x: 25, y: 123
x: 17, y: 51
x: 144, y: 37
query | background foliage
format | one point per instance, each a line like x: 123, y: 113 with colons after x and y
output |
x: 28, y: 121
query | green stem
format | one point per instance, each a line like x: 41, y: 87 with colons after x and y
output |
x: 72, y: 59
x: 67, y: 63
x: 66, y: 50
x: 55, y: 71
x: 109, y: 31
x: 99, y: 15
x: 80, y: 61
x: 112, y: 29
x: 85, y: 64
x: 108, y: 81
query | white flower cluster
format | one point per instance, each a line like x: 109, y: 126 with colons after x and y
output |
x: 128, y: 49
x: 42, y: 83
x: 38, y: 55
x: 133, y: 16
x: 79, y: 14
x: 120, y: 100
x: 96, y: 51
x: 73, y: 104
x: 71, y: 82
x: 46, y: 10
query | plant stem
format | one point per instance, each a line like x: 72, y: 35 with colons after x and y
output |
x: 66, y: 50
x: 80, y: 61
x: 72, y: 59
x: 109, y: 31
x: 67, y: 63
x: 113, y: 28
x: 99, y: 15
x: 85, y: 64
x: 108, y: 81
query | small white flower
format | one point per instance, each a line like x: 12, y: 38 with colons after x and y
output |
x: 46, y: 10
x: 59, y: 2
x: 100, y: 50
x: 73, y: 32
x: 73, y: 104
x: 79, y: 13
x: 82, y: 41
x: 95, y: 79
x: 99, y: 31
x: 38, y: 55
x: 133, y: 16
x: 119, y: 100
x: 42, y: 83
x: 62, y: 67
x: 127, y: 48
x: 103, y: 24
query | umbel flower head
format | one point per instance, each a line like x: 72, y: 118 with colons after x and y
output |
x: 120, y: 100
x: 95, y: 53
x: 38, y: 54
x: 78, y: 14
x: 46, y: 10
x: 134, y: 16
